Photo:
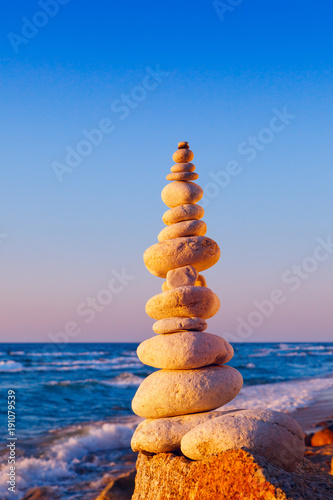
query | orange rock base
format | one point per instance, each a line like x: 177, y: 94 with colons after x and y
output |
x: 235, y: 474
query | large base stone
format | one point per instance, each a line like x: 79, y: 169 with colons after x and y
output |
x: 271, y: 434
x: 235, y: 474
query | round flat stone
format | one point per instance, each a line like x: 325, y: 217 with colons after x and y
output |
x: 186, y: 301
x: 173, y: 325
x: 182, y: 176
x: 197, y: 251
x: 184, y: 228
x: 182, y: 156
x: 183, y: 167
x: 184, y: 350
x: 181, y: 192
x: 182, y: 276
x: 162, y: 435
x: 168, y: 393
x: 274, y: 435
x: 182, y: 213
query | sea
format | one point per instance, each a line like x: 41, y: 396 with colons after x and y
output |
x: 73, y: 405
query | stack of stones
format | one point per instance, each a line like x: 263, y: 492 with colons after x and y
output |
x: 193, y: 378
x: 179, y: 400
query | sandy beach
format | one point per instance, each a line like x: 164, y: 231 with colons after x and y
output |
x: 317, y: 415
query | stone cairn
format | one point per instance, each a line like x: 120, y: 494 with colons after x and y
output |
x: 178, y: 400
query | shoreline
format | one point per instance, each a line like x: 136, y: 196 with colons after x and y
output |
x: 315, y: 416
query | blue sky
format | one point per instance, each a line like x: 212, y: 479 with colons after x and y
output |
x: 180, y: 73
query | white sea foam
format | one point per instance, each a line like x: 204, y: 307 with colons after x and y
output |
x: 32, y: 472
x: 123, y: 366
x: 124, y: 379
x: 98, y: 365
x: 129, y: 353
x: 304, y: 347
x: 106, y: 437
x: 281, y: 396
x: 101, y: 361
x: 314, y: 347
x: 57, y: 463
x: 102, y: 364
x: 60, y: 353
x: 81, y: 362
x: 292, y: 353
x: 10, y: 366
x: 262, y: 353
x: 92, y: 366
x: 284, y: 347
x: 128, y: 359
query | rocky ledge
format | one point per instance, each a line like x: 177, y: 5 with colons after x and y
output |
x: 234, y: 474
x: 120, y: 488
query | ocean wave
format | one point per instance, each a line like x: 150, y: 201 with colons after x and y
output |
x: 124, y: 379
x: 32, y: 472
x: 281, y: 396
x: 304, y: 347
x: 130, y: 366
x: 10, y: 366
x: 58, y: 462
x: 129, y: 353
x: 59, y: 353
x: 285, y: 347
x: 316, y: 347
x: 128, y: 359
x: 71, y: 365
x: 292, y: 353
x: 327, y: 353
x: 94, y: 439
x: 262, y: 353
x: 80, y: 362
x: 104, y: 361
x: 88, y: 365
x: 91, y: 364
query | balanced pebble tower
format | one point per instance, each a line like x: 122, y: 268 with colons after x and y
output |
x: 193, y: 377
x: 179, y: 401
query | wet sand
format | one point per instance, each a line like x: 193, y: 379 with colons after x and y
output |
x: 316, y: 416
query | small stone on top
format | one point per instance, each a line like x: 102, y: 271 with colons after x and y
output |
x: 183, y: 145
